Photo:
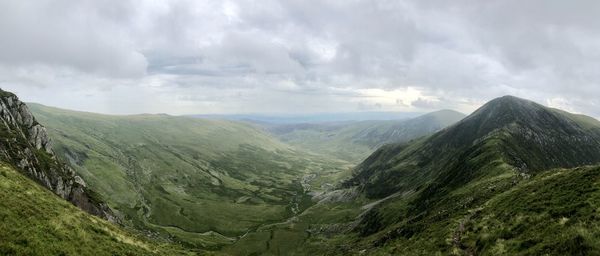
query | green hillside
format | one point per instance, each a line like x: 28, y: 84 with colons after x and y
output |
x: 354, y: 141
x: 204, y: 182
x: 522, y: 134
x: 555, y: 213
x: 37, y: 222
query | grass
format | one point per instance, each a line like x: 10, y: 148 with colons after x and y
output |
x: 34, y: 221
x: 555, y: 213
x: 552, y: 213
x: 304, y: 235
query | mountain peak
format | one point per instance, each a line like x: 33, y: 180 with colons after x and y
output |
x: 510, y: 98
x: 507, y: 110
x: 509, y: 103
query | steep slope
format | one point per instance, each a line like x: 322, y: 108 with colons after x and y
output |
x: 432, y: 190
x: 354, y: 141
x: 25, y: 144
x: 204, y: 182
x: 36, y: 222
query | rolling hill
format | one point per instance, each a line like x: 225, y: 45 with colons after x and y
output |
x: 354, y: 141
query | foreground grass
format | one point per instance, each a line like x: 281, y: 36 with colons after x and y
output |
x: 557, y: 213
x: 33, y: 221
x: 554, y: 213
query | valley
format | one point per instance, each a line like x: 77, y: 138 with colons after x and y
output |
x: 213, y: 183
x: 205, y: 182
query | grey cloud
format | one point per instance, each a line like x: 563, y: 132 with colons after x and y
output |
x: 70, y: 34
x: 313, y: 54
x: 425, y: 103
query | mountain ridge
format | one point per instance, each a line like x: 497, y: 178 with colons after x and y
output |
x: 509, y: 118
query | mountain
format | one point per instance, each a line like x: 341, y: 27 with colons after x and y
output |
x: 522, y: 134
x: 430, y: 193
x: 24, y: 144
x: 203, y: 182
x: 354, y: 141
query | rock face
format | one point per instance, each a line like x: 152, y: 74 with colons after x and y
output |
x: 24, y: 143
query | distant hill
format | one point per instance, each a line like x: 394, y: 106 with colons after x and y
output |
x: 354, y: 141
x: 276, y: 119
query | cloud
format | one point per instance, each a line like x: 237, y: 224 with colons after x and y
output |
x: 295, y: 56
x: 76, y: 35
x: 425, y: 103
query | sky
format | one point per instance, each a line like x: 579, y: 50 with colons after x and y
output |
x: 298, y: 56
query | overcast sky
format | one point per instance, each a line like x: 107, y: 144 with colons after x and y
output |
x: 298, y: 56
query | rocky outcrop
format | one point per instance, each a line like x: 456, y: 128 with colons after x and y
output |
x: 24, y: 143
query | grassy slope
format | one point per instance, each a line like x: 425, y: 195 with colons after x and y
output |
x: 354, y: 141
x: 185, y: 176
x: 34, y: 221
x: 554, y: 213
x: 315, y: 232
